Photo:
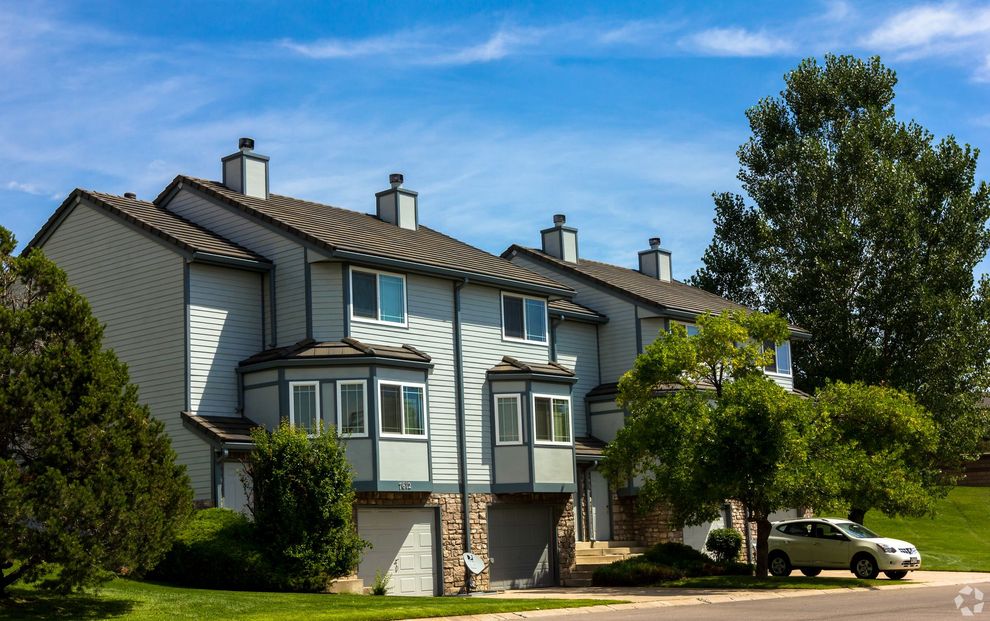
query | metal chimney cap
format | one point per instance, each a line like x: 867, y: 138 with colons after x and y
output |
x: 246, y: 143
x: 130, y: 195
x: 654, y: 243
x: 559, y: 219
x: 395, y: 179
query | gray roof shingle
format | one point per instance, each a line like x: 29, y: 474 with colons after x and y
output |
x: 345, y: 348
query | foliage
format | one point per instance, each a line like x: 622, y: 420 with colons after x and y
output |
x: 889, y: 450
x: 302, y: 505
x: 634, y: 572
x: 88, y: 479
x: 676, y: 555
x: 665, y: 562
x: 724, y: 544
x: 382, y: 583
x: 865, y: 231
x: 217, y: 550
x: 695, y: 447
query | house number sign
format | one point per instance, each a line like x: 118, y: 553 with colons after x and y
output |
x: 405, y: 486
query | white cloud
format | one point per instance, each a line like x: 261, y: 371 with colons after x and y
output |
x: 26, y: 188
x: 736, y: 42
x: 323, y: 49
x: 930, y: 26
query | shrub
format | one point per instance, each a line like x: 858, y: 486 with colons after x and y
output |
x: 724, y: 544
x: 675, y: 555
x: 217, y: 550
x: 382, y: 583
x: 303, y: 503
x: 634, y: 572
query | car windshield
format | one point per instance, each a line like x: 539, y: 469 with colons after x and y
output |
x: 858, y: 531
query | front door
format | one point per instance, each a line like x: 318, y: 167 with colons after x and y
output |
x: 600, y: 518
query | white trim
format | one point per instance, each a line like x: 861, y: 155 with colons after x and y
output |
x: 790, y: 356
x: 570, y: 420
x: 378, y: 401
x: 292, y: 400
x: 364, y: 408
x: 498, y: 439
x: 378, y: 298
x: 546, y: 318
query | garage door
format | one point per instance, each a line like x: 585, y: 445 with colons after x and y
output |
x: 519, y: 545
x: 403, y: 541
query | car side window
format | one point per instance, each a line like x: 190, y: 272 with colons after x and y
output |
x: 798, y: 529
x: 829, y: 532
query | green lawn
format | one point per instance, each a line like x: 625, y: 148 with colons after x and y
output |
x: 790, y: 582
x: 129, y: 599
x: 958, y: 539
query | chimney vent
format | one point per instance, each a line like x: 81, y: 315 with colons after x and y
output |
x: 395, y: 180
x: 130, y: 195
x: 559, y: 219
x: 246, y: 171
x: 397, y: 205
x: 655, y: 262
x: 560, y: 240
x: 654, y: 243
x: 246, y: 143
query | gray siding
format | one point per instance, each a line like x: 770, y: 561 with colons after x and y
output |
x: 577, y: 350
x: 484, y: 347
x: 289, y: 257
x: 650, y: 328
x: 430, y: 312
x: 618, y: 336
x: 224, y: 328
x: 135, y: 287
x: 327, y: 295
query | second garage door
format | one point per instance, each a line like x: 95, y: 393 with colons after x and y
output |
x: 403, y: 541
x: 520, y: 546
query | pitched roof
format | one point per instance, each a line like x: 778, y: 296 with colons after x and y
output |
x: 347, y: 233
x: 159, y: 222
x: 588, y: 446
x: 512, y: 365
x: 221, y: 429
x: 673, y: 295
x: 573, y: 310
x: 345, y: 348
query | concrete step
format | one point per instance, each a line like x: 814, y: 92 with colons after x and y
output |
x: 590, y: 545
x: 601, y: 560
x: 606, y: 551
x: 578, y: 582
x: 350, y: 584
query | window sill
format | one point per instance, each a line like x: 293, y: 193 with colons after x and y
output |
x: 512, y: 339
x: 569, y: 443
x: 402, y: 436
x: 519, y: 443
x: 379, y: 322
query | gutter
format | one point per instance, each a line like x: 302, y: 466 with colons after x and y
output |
x: 461, y: 422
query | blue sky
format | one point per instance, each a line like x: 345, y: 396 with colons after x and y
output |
x: 624, y: 115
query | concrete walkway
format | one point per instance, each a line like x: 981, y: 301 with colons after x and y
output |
x: 654, y: 597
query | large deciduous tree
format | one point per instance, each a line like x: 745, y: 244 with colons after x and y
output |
x: 706, y: 425
x: 864, y: 230
x: 88, y: 479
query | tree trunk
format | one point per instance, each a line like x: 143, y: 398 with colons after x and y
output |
x: 762, y: 544
x: 857, y: 515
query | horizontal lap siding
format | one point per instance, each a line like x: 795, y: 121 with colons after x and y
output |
x: 288, y: 256
x: 430, y: 310
x: 224, y: 328
x: 135, y: 287
x: 327, y: 295
x: 576, y: 350
x: 483, y: 348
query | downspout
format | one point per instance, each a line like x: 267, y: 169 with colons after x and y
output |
x: 461, y: 423
x: 553, y: 337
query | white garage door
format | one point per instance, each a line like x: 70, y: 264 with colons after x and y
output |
x: 403, y: 541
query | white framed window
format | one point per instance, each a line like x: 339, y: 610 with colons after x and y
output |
x: 508, y: 419
x: 352, y: 408
x: 304, y: 406
x: 402, y: 409
x: 551, y: 419
x: 524, y: 318
x: 378, y: 297
x: 781, y: 363
x: 692, y: 329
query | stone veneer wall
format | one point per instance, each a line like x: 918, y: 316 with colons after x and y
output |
x: 452, y: 528
x: 648, y: 529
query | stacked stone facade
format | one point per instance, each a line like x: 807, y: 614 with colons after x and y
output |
x: 455, y: 574
x: 648, y: 529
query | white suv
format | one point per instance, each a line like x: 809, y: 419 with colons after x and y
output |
x: 814, y: 544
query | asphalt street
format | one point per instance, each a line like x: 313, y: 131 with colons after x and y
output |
x: 900, y: 604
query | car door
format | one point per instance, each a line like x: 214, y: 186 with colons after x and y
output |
x: 831, y: 546
x: 798, y: 543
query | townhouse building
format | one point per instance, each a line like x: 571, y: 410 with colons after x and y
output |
x: 473, y: 392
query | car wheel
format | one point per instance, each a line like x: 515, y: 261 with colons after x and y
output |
x: 811, y: 573
x: 865, y: 567
x: 895, y: 575
x: 780, y: 565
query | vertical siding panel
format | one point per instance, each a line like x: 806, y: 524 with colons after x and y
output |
x: 577, y: 350
x: 224, y: 328
x: 328, y: 300
x: 288, y: 256
x: 135, y: 287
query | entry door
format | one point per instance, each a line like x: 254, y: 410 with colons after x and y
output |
x: 600, y: 498
x: 234, y: 495
x: 520, y: 546
x: 403, y: 547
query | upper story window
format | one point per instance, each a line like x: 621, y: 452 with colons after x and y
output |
x: 692, y: 329
x: 781, y: 362
x: 352, y: 408
x: 508, y: 419
x: 402, y: 409
x: 378, y: 296
x: 304, y: 405
x: 552, y: 419
x: 524, y: 318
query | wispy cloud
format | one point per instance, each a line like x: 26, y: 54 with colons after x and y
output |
x: 736, y: 41
x: 30, y: 188
x: 930, y: 27
x: 386, y: 45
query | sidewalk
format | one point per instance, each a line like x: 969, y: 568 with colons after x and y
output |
x: 656, y: 597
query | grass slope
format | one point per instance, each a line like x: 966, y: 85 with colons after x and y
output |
x: 128, y: 599
x: 958, y: 539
